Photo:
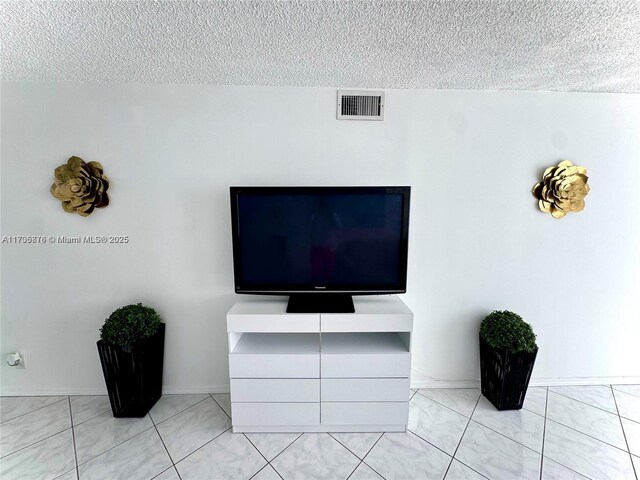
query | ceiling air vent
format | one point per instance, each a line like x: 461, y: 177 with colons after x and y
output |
x: 360, y: 105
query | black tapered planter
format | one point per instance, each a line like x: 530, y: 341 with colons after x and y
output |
x: 505, y: 376
x: 133, y: 374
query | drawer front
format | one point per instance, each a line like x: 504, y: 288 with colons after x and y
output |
x: 265, y: 365
x: 288, y: 322
x: 294, y: 414
x: 341, y: 365
x: 275, y: 390
x: 365, y: 413
x: 340, y: 322
x: 364, y: 389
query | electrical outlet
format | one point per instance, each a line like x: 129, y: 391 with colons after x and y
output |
x: 16, y: 360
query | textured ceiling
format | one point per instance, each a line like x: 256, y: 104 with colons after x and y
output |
x: 522, y: 45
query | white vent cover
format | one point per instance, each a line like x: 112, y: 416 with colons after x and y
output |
x: 360, y: 105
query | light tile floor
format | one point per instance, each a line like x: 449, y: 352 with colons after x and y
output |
x: 562, y: 433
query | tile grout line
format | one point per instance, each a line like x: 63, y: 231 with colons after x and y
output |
x: 470, y: 468
x: 374, y: 444
x: 587, y: 435
x: 509, y: 438
x: 218, y: 403
x: 173, y: 464
x: 377, y: 472
x: 446, y: 406
x: 265, y: 458
x: 43, y: 439
x: 254, y: 475
x: 551, y: 420
x: 581, y: 433
x: 548, y: 389
x: 630, y: 420
x: 453, y: 456
x: 253, y: 445
x: 35, y: 443
x: 63, y: 474
x: 354, y: 470
x: 633, y: 467
x: 163, y: 444
x: 531, y: 411
x: 263, y: 467
x: 283, y: 450
x: 140, y: 433
x: 468, y: 420
x: 460, y: 413
x: 368, y: 452
x: 585, y: 403
x: 350, y: 451
x: 427, y: 441
x: 571, y: 469
x: 177, y: 413
x: 201, y: 446
x: 95, y: 416
x: 34, y: 410
x: 622, y: 391
x: 163, y: 471
x: 115, y: 446
x: 544, y: 430
x: 73, y: 436
x: 177, y: 472
x: 274, y: 469
x: 277, y: 472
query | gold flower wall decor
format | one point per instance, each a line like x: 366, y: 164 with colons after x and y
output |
x: 562, y: 189
x: 82, y: 187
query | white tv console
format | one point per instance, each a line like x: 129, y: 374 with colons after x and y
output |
x: 320, y: 372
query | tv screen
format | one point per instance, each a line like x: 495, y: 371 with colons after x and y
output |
x: 320, y: 239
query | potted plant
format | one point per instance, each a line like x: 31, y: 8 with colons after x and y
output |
x: 131, y: 349
x: 507, y: 354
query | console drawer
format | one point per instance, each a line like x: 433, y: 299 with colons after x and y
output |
x: 365, y: 389
x: 281, y: 322
x: 275, y: 390
x: 373, y: 322
x: 341, y: 365
x: 294, y: 414
x: 365, y: 413
x: 267, y: 365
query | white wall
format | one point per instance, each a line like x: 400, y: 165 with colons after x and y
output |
x: 477, y: 240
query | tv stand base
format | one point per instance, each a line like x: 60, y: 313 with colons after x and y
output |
x: 317, y: 428
x: 320, y: 372
x: 320, y: 303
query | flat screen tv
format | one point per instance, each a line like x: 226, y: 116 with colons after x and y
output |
x: 320, y: 245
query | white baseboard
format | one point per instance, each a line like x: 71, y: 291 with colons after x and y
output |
x: 37, y: 392
x: 220, y: 388
x: 445, y: 384
x: 558, y: 382
x: 224, y: 387
x: 535, y: 382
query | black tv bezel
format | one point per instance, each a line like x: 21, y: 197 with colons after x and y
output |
x: 285, y: 289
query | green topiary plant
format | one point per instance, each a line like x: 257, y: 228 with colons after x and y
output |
x: 505, y: 329
x: 129, y: 325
